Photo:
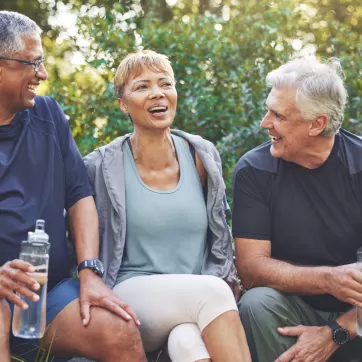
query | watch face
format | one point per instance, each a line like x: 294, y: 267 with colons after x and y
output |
x: 99, y: 266
x: 340, y: 336
x: 93, y: 264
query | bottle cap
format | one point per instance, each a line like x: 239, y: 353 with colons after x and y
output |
x: 39, y: 235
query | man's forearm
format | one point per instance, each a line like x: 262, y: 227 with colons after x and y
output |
x: 83, y: 222
x: 267, y: 272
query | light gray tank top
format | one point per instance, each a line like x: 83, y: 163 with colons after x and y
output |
x: 166, y: 230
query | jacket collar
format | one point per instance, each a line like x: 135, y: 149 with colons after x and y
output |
x: 112, y: 165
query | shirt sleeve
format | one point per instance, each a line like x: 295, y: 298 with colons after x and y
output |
x: 251, y: 217
x: 76, y: 177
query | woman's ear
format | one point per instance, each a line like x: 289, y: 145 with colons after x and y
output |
x: 122, y: 105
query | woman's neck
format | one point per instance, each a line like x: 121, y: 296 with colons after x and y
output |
x: 152, y: 149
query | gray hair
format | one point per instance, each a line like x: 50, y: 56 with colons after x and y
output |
x: 319, y: 89
x: 13, y: 27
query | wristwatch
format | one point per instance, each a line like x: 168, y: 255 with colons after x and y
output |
x: 340, y: 335
x: 94, y: 264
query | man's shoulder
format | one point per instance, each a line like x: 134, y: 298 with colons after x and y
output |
x: 259, y: 158
x: 351, y: 140
x: 350, y: 151
x: 44, y: 106
x: 45, y: 113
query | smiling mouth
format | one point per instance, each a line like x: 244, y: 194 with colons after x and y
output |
x: 276, y: 139
x: 158, y: 110
x: 32, y: 87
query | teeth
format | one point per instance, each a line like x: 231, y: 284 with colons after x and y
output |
x: 32, y: 87
x: 157, y: 109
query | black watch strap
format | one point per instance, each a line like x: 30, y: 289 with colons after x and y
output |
x: 340, y: 335
x: 94, y: 264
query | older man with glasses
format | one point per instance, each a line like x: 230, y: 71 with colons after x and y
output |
x: 41, y: 174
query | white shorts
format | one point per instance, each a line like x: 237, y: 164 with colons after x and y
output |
x: 177, y: 307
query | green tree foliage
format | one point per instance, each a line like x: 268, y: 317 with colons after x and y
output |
x: 36, y: 10
x: 221, y: 51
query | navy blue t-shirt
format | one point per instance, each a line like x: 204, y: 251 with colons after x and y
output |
x: 41, y: 175
x: 313, y: 217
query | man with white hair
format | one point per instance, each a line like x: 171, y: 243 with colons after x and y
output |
x: 41, y: 174
x: 297, y: 221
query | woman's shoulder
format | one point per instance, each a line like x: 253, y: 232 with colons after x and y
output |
x: 94, y: 159
x: 197, y: 141
x: 105, y: 151
x: 206, y: 153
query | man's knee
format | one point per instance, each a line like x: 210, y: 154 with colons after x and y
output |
x: 259, y: 304
x: 260, y: 312
x: 5, y: 318
x: 118, y: 336
x: 106, y: 338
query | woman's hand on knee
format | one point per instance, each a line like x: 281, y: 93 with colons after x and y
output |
x: 93, y: 292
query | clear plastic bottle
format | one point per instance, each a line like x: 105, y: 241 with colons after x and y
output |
x: 30, y: 323
x: 358, y: 309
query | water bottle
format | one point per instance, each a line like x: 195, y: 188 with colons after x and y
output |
x: 358, y: 310
x: 30, y: 323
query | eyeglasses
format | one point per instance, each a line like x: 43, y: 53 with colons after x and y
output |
x: 35, y: 63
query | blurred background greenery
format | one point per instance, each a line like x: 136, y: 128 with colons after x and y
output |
x: 221, y: 51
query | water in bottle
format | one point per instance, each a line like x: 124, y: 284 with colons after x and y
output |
x: 30, y: 323
x: 359, y: 310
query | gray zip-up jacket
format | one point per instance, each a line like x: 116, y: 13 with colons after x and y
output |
x: 105, y: 169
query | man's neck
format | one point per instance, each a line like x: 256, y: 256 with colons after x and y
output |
x: 6, y: 117
x: 314, y: 155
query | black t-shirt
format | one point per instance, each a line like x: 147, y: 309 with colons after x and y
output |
x: 312, y: 217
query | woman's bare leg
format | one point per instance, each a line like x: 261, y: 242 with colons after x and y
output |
x: 225, y: 339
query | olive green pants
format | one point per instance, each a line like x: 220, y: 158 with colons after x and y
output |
x: 262, y: 310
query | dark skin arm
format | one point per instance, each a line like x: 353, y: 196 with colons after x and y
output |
x: 83, y: 222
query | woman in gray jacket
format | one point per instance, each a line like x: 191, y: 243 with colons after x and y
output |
x: 165, y: 244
